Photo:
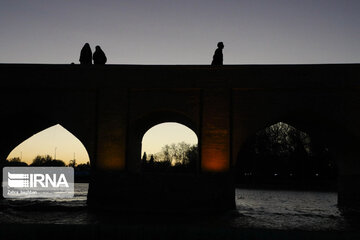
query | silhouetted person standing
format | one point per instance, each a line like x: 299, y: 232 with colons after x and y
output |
x: 99, y: 56
x: 86, y: 55
x: 218, y: 55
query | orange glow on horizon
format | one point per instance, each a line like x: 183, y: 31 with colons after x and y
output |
x: 55, y: 141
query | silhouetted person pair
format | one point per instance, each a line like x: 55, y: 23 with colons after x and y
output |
x: 218, y: 55
x: 86, y: 55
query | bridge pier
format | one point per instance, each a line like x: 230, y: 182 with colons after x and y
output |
x: 161, y: 193
x: 349, y: 192
x: 349, y: 176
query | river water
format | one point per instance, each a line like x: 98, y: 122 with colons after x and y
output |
x: 267, y: 209
x: 288, y: 210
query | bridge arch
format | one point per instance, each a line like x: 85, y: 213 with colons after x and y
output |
x: 284, y: 156
x: 20, y: 128
x: 53, y: 141
x: 328, y: 129
x: 146, y: 122
x: 320, y: 127
x: 169, y: 147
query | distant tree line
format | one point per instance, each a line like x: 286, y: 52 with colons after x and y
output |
x: 178, y: 157
x: 46, y: 160
x: 283, y: 155
x: 12, y: 162
x: 81, y: 171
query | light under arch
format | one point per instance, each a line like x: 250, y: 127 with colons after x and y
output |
x: 55, y: 141
x: 166, y: 133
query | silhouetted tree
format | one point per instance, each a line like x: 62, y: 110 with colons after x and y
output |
x: 57, y: 163
x: 283, y: 152
x: 82, y: 172
x: 72, y: 163
x: 144, y: 159
x: 41, y: 160
x: 166, y: 153
x: 176, y: 153
x: 83, y: 167
x: 174, y: 157
x: 192, y: 155
x: 86, y: 55
x: 47, y: 161
x: 15, y: 159
x: 99, y: 56
x: 218, y: 55
x: 13, y: 162
x: 151, y: 161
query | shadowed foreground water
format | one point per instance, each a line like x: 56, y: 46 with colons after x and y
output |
x: 288, y: 210
x: 260, y: 214
x: 266, y: 209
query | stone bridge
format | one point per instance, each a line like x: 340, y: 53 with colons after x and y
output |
x: 109, y: 108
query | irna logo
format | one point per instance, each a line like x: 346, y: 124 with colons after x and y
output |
x: 38, y: 182
x: 16, y: 180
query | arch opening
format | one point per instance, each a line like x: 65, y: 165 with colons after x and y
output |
x: 283, y: 156
x: 55, y: 146
x: 169, y: 147
x: 284, y: 171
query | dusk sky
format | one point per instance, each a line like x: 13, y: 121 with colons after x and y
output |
x: 176, y: 32
x: 181, y: 32
x: 160, y: 135
x: 54, y: 140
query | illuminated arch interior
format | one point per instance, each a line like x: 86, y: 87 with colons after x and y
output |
x: 169, y: 141
x: 56, y: 142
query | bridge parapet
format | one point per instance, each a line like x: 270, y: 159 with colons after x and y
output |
x: 181, y: 76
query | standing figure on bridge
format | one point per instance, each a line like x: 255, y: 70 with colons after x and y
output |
x: 218, y: 55
x: 86, y: 55
x: 99, y: 56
